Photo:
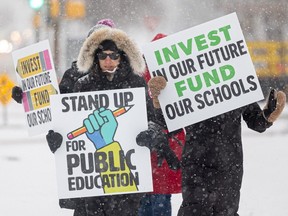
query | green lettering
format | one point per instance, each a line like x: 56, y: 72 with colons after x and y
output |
x: 180, y: 87
x: 211, y: 77
x: 226, y: 32
x: 198, y: 85
x: 201, y: 42
x: 186, y: 49
x: 215, y: 39
x: 170, y: 53
x: 227, y: 68
x: 158, y: 57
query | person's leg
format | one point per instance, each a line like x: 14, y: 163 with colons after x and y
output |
x: 223, y: 174
x: 95, y: 205
x: 124, y: 204
x: 161, y: 204
x: 145, y: 208
x: 228, y: 185
x: 80, y: 211
x: 197, y: 200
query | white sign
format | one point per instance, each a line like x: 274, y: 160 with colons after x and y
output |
x: 36, y: 76
x: 99, y: 155
x: 208, y: 71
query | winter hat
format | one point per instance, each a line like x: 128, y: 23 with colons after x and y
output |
x: 159, y: 36
x: 107, y: 45
x: 104, y: 23
x: 123, y: 42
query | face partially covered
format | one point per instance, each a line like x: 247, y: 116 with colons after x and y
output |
x: 108, y: 60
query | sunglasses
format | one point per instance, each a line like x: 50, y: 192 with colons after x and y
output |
x: 113, y: 56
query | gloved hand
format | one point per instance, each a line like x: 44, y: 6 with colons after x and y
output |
x: 155, y: 139
x: 274, y: 106
x: 156, y: 84
x: 54, y: 140
x: 17, y: 94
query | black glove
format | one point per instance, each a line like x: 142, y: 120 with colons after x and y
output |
x: 274, y: 105
x: 17, y: 94
x: 155, y: 139
x: 54, y: 140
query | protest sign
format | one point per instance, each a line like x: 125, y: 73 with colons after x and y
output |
x: 208, y: 71
x: 36, y: 76
x: 99, y: 155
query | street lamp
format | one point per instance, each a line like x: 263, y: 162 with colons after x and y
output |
x: 36, y: 4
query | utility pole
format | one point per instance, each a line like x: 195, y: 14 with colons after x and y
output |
x: 36, y: 5
x: 53, y: 11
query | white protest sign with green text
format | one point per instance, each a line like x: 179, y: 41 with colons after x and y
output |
x: 99, y: 155
x: 208, y: 71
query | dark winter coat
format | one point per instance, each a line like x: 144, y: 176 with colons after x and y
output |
x: 126, y: 76
x: 69, y: 78
x: 213, y: 162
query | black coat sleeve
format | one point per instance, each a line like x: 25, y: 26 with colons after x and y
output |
x: 69, y: 79
x: 254, y: 118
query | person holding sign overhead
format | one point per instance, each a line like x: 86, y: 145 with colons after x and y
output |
x: 212, y: 159
x: 206, y: 83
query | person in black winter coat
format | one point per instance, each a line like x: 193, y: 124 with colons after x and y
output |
x: 112, y: 61
x: 66, y: 85
x: 212, y: 158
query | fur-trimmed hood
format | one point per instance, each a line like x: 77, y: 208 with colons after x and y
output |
x: 123, y: 42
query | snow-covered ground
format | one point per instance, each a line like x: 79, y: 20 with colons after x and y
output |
x: 28, y: 181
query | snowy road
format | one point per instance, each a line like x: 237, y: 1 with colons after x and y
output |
x: 28, y: 182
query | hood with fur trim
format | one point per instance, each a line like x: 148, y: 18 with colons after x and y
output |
x: 123, y: 42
